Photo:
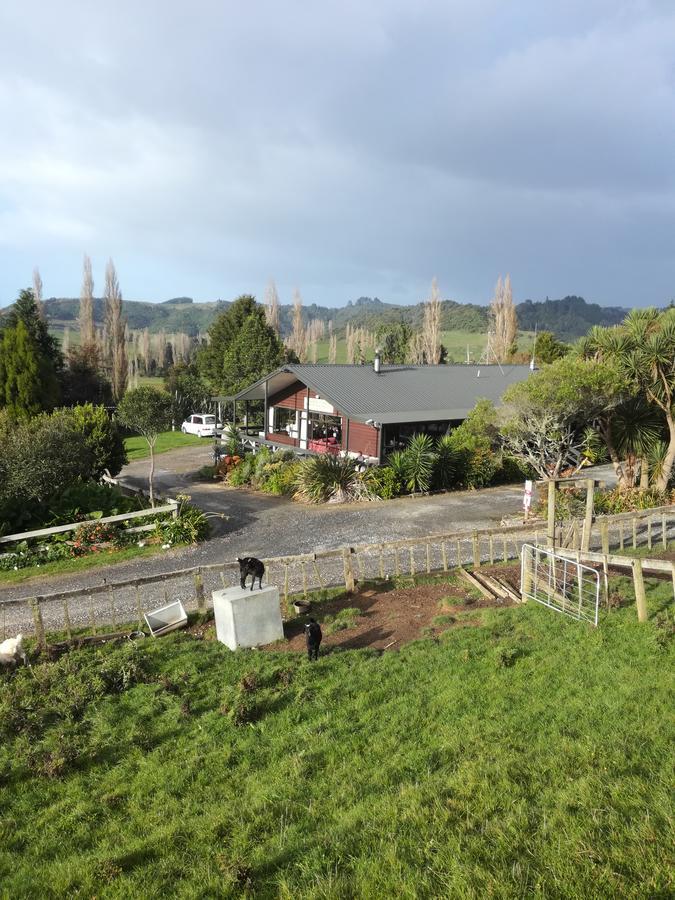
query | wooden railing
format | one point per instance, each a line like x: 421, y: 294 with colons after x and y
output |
x: 170, y: 507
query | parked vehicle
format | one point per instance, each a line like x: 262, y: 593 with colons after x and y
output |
x: 202, y: 425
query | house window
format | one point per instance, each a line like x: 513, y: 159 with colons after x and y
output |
x: 285, y: 421
x: 323, y: 428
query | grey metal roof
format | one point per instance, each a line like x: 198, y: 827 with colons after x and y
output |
x: 398, y: 393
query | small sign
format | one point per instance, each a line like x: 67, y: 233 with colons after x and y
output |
x: 527, y: 498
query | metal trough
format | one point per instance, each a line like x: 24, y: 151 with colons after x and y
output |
x: 166, y: 618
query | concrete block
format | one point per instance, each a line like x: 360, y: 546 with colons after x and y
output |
x: 246, y: 618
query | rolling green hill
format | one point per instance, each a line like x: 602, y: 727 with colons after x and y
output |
x: 568, y: 318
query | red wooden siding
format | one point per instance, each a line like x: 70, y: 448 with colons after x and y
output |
x: 362, y: 438
x: 293, y: 397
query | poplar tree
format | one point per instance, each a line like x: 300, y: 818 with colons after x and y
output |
x: 272, y: 306
x: 504, y: 320
x: 115, y: 327
x: 431, y: 328
x: 87, y: 333
x: 37, y: 293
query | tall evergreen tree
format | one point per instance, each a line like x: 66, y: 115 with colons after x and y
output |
x: 221, y: 334
x: 31, y: 363
x: 254, y: 352
x: 20, y: 383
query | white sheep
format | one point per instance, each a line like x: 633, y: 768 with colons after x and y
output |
x: 11, y: 651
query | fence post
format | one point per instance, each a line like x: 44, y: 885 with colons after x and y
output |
x: 649, y: 533
x: 634, y: 533
x: 505, y: 548
x: 199, y: 592
x: 492, y: 550
x: 92, y: 615
x: 428, y: 559
x: 476, y: 550
x: 412, y: 561
x: 664, y: 538
x: 139, y: 607
x: 174, y: 512
x: 444, y: 554
x: 111, y: 594
x: 349, y: 571
x: 34, y: 603
x: 550, y: 533
x: 639, y: 585
x: 286, y: 586
x: 604, y: 535
x: 588, y: 518
x: 526, y: 586
x: 304, y: 579
x: 66, y: 619
x: 381, y: 565
x: 621, y: 539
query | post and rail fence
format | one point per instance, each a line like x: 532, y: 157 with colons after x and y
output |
x: 111, y: 603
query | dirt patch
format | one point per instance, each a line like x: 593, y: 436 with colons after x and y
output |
x: 390, y: 619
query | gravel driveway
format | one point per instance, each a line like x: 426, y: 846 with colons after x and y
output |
x: 266, y: 526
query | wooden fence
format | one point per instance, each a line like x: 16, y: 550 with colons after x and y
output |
x: 170, y: 507
x: 115, y: 603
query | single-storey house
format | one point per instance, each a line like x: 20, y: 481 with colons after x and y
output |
x: 371, y: 410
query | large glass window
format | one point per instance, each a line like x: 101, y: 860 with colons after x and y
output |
x: 397, y: 436
x: 325, y: 428
x: 285, y: 421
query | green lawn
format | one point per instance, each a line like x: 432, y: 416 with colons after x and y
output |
x: 137, y: 447
x: 80, y: 563
x: 526, y: 756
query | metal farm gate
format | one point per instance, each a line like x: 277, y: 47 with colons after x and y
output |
x: 560, y: 583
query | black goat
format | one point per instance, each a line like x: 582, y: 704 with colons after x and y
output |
x: 249, y: 565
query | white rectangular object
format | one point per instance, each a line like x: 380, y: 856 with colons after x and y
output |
x: 166, y: 618
x: 247, y: 618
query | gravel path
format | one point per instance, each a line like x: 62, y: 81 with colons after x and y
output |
x: 257, y: 525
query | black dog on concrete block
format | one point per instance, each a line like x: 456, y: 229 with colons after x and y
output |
x: 249, y: 565
x: 313, y: 635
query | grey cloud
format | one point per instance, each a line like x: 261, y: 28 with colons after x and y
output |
x: 348, y: 148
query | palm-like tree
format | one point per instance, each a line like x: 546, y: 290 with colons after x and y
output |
x: 643, y: 347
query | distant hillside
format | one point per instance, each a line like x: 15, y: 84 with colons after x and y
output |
x: 568, y: 318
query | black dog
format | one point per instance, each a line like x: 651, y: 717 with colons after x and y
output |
x: 249, y: 565
x: 313, y: 635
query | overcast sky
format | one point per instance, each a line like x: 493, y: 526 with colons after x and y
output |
x: 348, y: 148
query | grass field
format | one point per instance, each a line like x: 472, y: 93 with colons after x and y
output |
x: 137, y: 446
x: 456, y: 343
x: 526, y: 756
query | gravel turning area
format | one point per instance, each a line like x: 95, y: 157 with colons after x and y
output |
x: 255, y: 525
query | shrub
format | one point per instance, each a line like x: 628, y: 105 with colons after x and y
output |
x: 190, y: 527
x: 88, y: 500
x: 383, y: 482
x: 446, y: 463
x: 231, y: 442
x: 325, y: 477
x: 102, y: 438
x: 281, y: 478
x: 420, y: 459
x: 92, y: 536
x: 243, y: 472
